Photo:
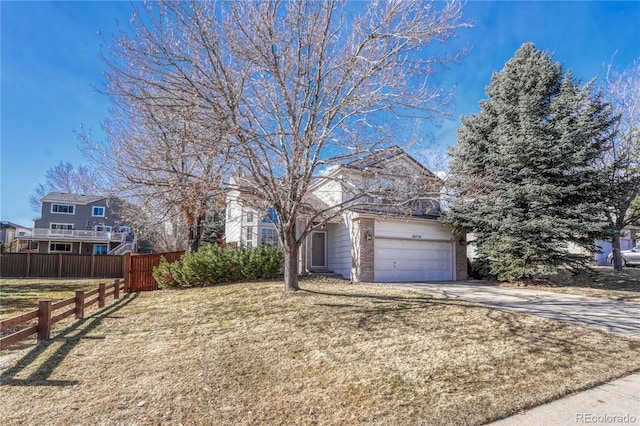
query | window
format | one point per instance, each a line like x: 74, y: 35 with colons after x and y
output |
x: 67, y: 226
x: 250, y: 217
x: 99, y: 249
x: 103, y: 228
x: 63, y: 208
x: 60, y: 248
x: 272, y: 217
x: 269, y: 237
x: 97, y: 211
x: 125, y: 229
x: 249, y: 233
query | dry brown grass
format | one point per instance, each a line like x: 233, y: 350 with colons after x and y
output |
x: 19, y: 295
x: 332, y: 354
x: 601, y: 282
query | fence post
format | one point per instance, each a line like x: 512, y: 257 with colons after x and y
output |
x: 59, y: 265
x: 102, y: 291
x: 44, y: 319
x: 79, y: 304
x: 26, y: 273
x: 116, y: 289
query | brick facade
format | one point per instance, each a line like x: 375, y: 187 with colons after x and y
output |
x: 460, y: 241
x: 363, y: 256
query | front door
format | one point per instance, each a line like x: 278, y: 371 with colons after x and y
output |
x: 318, y: 249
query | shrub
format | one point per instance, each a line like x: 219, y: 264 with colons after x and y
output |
x: 479, y: 269
x: 210, y: 265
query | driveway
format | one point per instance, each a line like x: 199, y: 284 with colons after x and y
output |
x: 612, y: 316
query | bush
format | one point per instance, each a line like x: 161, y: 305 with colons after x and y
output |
x: 210, y: 265
x: 479, y: 269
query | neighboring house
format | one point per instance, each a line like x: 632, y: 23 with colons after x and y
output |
x: 80, y: 224
x: 630, y: 238
x: 8, y: 233
x: 367, y: 242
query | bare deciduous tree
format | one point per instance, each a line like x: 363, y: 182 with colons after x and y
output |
x: 287, y: 89
x: 623, y: 159
x: 64, y: 177
x: 162, y: 159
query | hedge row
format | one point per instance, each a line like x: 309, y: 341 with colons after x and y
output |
x: 210, y: 265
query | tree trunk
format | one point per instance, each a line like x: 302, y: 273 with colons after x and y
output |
x: 617, y: 259
x: 291, y: 250
x: 195, y: 233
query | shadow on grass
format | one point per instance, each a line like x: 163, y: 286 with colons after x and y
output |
x: 25, y: 295
x: 70, y: 338
x: 387, y: 308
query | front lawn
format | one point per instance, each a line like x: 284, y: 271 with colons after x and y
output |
x: 18, y: 295
x: 334, y: 353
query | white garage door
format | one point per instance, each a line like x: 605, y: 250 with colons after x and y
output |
x: 412, y: 260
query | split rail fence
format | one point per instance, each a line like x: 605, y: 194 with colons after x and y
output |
x: 47, y: 313
x: 138, y: 269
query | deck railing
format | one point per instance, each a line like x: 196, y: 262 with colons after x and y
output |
x: 70, y: 235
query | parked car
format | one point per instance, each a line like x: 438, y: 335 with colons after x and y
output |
x: 629, y: 257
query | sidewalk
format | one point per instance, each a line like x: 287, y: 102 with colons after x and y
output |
x: 614, y: 403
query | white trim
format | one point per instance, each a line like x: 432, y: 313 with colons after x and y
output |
x: 67, y: 205
x: 104, y: 211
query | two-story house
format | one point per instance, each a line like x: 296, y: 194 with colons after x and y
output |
x: 80, y: 224
x: 373, y: 239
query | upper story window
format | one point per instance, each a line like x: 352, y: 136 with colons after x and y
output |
x: 102, y: 228
x: 272, y: 217
x: 250, y: 217
x: 97, y: 211
x: 125, y: 229
x: 63, y: 208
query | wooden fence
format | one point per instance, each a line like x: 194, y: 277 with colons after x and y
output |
x: 46, y: 309
x: 28, y: 265
x: 140, y: 268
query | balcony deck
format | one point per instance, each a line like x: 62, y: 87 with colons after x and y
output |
x: 70, y: 235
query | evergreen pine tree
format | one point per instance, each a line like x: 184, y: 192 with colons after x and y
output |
x: 524, y: 171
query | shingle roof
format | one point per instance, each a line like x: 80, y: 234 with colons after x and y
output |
x: 7, y: 224
x: 62, y: 197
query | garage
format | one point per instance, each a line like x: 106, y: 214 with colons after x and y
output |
x: 405, y: 252
x: 408, y: 260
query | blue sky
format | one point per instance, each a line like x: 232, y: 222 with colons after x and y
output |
x: 49, y: 63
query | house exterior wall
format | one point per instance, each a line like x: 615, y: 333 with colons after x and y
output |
x: 363, y: 249
x: 233, y: 222
x: 330, y: 191
x: 460, y: 241
x: 82, y: 216
x: 339, y: 253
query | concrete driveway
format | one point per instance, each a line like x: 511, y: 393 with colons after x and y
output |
x: 614, y: 317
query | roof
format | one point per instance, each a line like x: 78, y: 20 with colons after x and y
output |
x: 6, y: 224
x: 374, y: 159
x: 62, y: 197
